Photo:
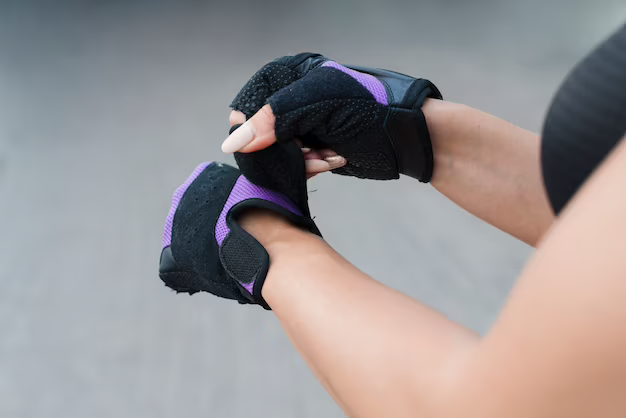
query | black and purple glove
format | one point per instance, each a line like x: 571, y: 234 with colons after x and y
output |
x: 372, y: 117
x: 205, y: 248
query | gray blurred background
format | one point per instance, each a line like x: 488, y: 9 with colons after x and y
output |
x: 106, y: 106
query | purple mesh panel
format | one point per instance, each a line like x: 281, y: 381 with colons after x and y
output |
x: 245, y: 190
x: 249, y: 287
x: 371, y: 83
x: 178, y: 195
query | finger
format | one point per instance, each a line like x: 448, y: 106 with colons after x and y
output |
x: 255, y: 134
x: 236, y: 118
x: 324, y: 153
x: 335, y: 161
x: 312, y: 155
x: 318, y: 154
x: 315, y: 166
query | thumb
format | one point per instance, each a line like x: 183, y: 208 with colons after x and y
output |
x: 255, y: 134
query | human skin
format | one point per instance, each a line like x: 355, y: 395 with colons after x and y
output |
x: 488, y: 166
x: 556, y: 350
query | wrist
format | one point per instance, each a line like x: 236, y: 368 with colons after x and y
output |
x: 444, y: 120
x: 271, y: 229
x: 289, y: 247
x: 442, y: 117
x: 286, y: 245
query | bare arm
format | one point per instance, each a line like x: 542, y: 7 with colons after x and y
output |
x: 377, y: 351
x: 490, y: 168
x: 486, y: 165
x: 557, y: 350
x: 559, y: 347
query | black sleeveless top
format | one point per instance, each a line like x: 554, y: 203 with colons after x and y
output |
x: 586, y: 120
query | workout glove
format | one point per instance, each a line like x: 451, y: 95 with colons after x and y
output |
x: 370, y: 116
x: 204, y: 247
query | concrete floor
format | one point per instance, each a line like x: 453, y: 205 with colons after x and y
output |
x: 106, y: 106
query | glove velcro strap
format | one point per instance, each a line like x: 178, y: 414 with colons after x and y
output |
x: 408, y: 131
x: 245, y: 260
x: 409, y: 134
x: 243, y: 257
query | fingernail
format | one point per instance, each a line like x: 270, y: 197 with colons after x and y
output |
x: 305, y: 150
x: 316, y: 166
x: 335, y: 161
x: 239, y: 138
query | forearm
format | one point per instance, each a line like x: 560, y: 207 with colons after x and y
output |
x: 490, y: 168
x: 379, y: 352
x: 557, y: 349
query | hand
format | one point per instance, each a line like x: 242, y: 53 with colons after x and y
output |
x: 371, y: 117
x: 205, y: 247
x: 316, y: 161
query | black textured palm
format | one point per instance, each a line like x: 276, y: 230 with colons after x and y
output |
x: 330, y: 109
x: 271, y: 78
x: 194, y: 264
x: 351, y: 127
x: 380, y: 133
x: 325, y: 109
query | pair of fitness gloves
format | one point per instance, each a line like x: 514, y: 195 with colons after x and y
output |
x: 372, y: 117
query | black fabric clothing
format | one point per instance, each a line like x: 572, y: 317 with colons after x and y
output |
x: 586, y: 120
